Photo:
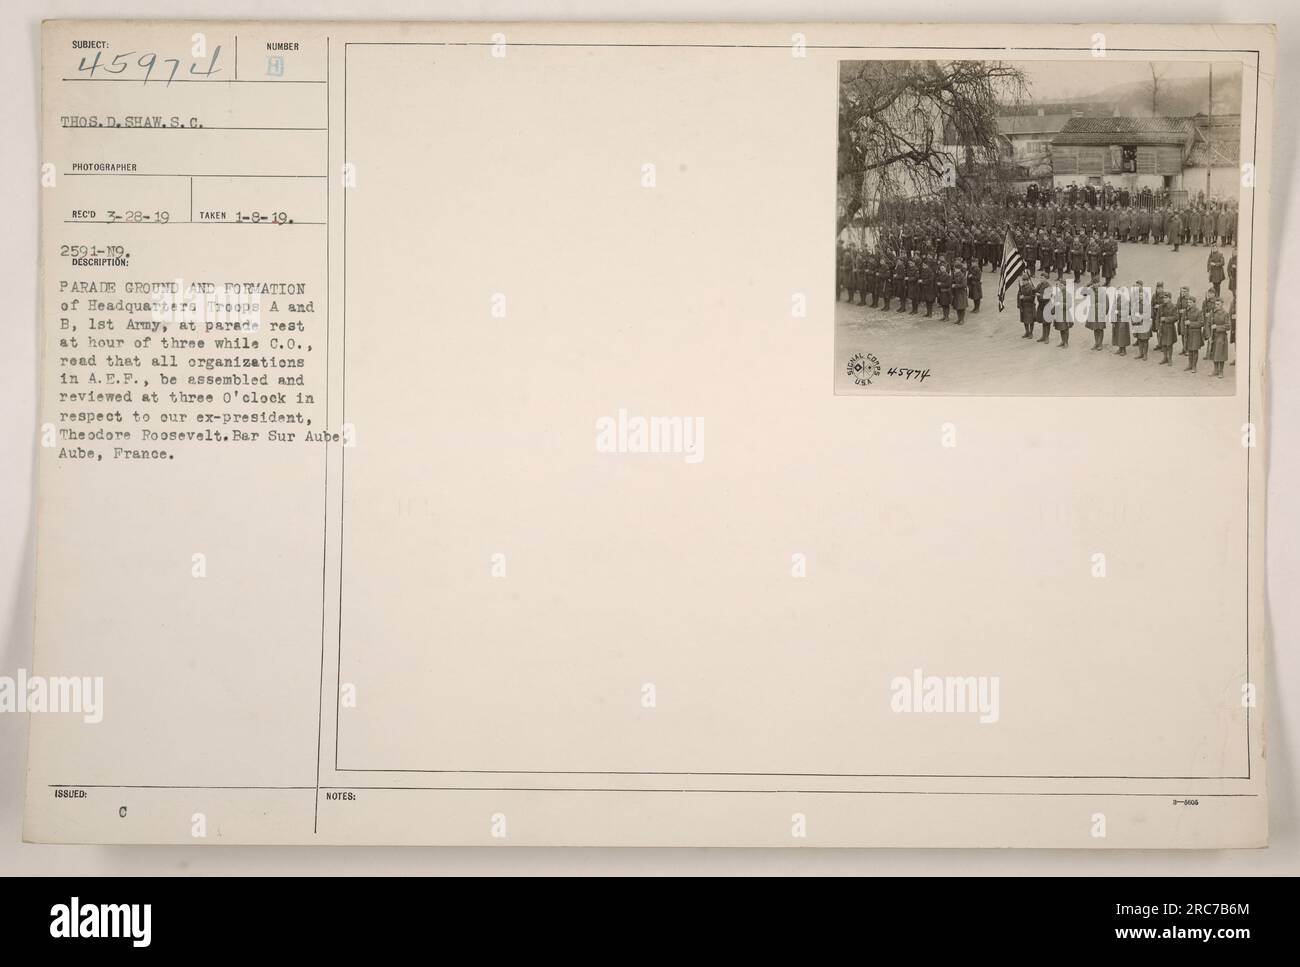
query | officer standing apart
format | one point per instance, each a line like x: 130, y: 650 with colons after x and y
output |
x: 1214, y: 265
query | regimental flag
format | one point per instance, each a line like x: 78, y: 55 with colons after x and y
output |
x: 1013, y: 265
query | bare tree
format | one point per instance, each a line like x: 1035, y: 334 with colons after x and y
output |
x: 911, y: 126
x: 1155, y: 91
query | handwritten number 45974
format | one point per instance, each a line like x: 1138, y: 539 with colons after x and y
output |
x: 148, y: 62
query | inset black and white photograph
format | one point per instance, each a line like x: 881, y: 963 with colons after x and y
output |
x: 1046, y: 228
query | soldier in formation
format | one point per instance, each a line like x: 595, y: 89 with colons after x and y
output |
x: 1167, y: 325
x: 1220, y: 333
x: 1026, y: 302
x: 1193, y: 334
x: 959, y: 289
x: 1098, y: 310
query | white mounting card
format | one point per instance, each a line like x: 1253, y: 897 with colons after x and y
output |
x: 449, y: 435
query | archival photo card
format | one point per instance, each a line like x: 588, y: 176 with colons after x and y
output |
x: 438, y: 446
x: 990, y: 211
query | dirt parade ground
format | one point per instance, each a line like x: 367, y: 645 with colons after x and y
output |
x: 988, y: 356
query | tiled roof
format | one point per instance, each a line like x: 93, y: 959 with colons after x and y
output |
x: 1218, y: 140
x: 1215, y: 153
x: 1125, y: 130
x: 1032, y: 124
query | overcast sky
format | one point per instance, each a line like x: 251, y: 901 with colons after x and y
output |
x: 1054, y: 80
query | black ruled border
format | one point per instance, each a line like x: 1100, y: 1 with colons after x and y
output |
x: 999, y: 53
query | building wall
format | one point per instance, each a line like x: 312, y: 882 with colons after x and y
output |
x: 1031, y: 145
x: 1225, y: 181
x: 1094, y: 160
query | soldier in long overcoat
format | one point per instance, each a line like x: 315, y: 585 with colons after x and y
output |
x: 914, y: 283
x: 1176, y: 229
x: 1043, y: 297
x: 1185, y: 302
x: 864, y: 277
x: 928, y: 290
x: 1060, y: 246
x: 884, y: 280
x: 1214, y: 266
x: 1144, y: 329
x: 943, y: 283
x: 1232, y: 316
x: 1193, y: 334
x: 959, y: 290
x: 1121, y: 327
x: 1026, y: 302
x: 1167, y: 327
x: 1063, y: 315
x: 1220, y: 325
x: 1098, y: 309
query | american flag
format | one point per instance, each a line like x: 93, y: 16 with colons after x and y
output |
x: 1012, y: 266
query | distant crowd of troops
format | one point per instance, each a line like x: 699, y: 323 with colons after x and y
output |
x: 930, y: 253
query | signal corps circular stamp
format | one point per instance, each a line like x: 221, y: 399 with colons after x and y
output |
x: 863, y: 368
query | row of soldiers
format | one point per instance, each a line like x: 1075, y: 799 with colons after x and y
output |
x: 950, y: 282
x: 863, y: 272
x: 1196, y: 225
x: 1136, y: 315
x: 1096, y: 254
x: 1204, y: 223
x: 1066, y: 248
x: 1074, y: 193
x: 1061, y: 251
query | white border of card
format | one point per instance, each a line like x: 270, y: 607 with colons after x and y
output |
x: 477, y: 575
